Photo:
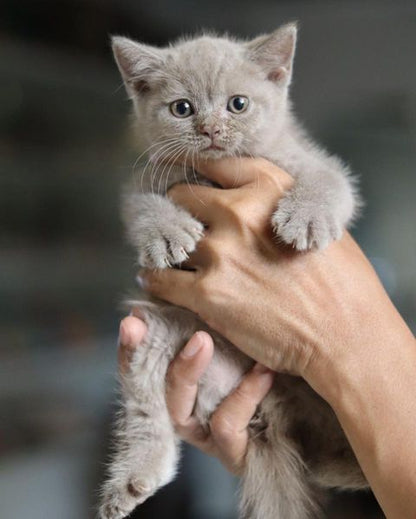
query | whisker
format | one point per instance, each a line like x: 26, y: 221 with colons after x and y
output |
x: 190, y: 184
x: 185, y: 148
x: 158, y: 158
x: 172, y: 162
x: 161, y: 143
x: 193, y: 169
x: 183, y: 164
x: 161, y: 157
x: 146, y: 150
x: 186, y: 167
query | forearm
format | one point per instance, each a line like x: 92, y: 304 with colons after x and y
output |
x: 373, y: 393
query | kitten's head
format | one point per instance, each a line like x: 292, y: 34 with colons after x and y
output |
x: 209, y: 97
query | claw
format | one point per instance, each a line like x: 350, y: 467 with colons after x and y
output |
x: 199, y: 231
x: 184, y: 252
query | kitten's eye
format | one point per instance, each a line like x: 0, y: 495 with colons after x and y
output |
x: 181, y: 108
x: 237, y: 104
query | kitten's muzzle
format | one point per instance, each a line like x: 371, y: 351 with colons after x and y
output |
x: 210, y: 130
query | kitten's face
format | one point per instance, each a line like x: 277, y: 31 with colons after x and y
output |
x: 208, y: 97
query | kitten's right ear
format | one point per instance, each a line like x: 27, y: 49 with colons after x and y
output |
x: 138, y: 64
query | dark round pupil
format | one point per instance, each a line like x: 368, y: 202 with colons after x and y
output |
x: 182, y: 108
x: 238, y: 103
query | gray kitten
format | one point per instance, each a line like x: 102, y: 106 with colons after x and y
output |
x: 211, y: 97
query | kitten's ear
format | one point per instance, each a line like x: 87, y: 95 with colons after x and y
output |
x: 139, y: 64
x: 275, y: 52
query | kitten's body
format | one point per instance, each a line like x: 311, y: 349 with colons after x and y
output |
x: 297, y: 446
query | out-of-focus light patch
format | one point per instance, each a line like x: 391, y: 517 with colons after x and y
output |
x: 11, y: 97
x: 386, y: 272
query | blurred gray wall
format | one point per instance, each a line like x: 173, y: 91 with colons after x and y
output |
x: 64, y: 152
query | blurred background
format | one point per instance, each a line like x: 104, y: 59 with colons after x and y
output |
x: 64, y: 152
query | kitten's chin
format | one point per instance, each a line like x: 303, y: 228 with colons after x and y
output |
x: 214, y: 153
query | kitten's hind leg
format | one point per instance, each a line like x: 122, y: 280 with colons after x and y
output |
x: 275, y: 483
x: 146, y: 448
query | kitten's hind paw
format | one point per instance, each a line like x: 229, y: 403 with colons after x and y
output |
x: 118, y: 503
x: 305, y: 225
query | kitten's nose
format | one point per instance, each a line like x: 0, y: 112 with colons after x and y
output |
x: 210, y: 130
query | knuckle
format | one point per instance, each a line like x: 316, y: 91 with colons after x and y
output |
x: 176, y: 191
x: 263, y: 163
x: 210, y: 247
x: 236, y: 209
x: 175, y: 418
x: 272, y: 176
x: 222, y: 427
x: 242, y: 394
x: 229, y: 205
x: 211, y: 292
x: 178, y: 422
x: 205, y: 288
x: 264, y: 167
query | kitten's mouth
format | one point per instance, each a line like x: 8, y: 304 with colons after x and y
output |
x: 214, y: 147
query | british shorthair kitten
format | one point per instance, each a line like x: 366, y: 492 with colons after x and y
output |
x: 210, y: 97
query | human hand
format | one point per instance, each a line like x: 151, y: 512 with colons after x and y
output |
x: 227, y: 436
x: 323, y: 315
x: 294, y: 312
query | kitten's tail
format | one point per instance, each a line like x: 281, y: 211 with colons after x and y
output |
x: 275, y: 484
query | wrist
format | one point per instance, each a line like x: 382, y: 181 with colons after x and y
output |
x: 374, y: 401
x: 379, y: 347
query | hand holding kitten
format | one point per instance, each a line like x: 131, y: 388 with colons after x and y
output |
x: 227, y: 438
x: 280, y: 307
x: 324, y: 315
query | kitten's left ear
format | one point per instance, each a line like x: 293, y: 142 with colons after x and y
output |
x: 139, y: 64
x: 275, y: 52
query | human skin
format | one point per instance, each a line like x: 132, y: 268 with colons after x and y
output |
x: 323, y: 315
x: 227, y: 437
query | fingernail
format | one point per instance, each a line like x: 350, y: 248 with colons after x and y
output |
x: 192, y: 347
x: 124, y: 336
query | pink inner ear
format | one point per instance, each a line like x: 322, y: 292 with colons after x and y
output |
x: 278, y: 74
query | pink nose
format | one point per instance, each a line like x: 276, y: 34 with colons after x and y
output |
x: 210, y: 131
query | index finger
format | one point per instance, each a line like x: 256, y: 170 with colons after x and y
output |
x: 234, y: 172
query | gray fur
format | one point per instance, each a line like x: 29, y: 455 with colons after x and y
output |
x: 297, y: 447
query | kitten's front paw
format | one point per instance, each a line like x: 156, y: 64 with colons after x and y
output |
x: 305, y: 224
x: 170, y: 242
